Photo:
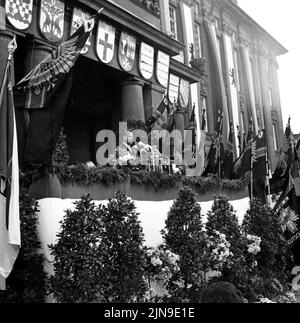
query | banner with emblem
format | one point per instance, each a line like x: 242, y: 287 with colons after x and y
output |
x: 173, y: 88
x: 126, y: 52
x: 52, y: 15
x: 184, y: 93
x: 146, y: 64
x: 162, y: 68
x: 105, y: 45
x: 80, y: 16
x: 19, y: 13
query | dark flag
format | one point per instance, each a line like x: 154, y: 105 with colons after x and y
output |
x: 291, y: 195
x: 42, y: 95
x: 158, y: 114
x: 279, y: 180
x: 260, y: 166
x: 10, y: 237
x: 243, y: 165
x: 227, y: 168
x: 216, y: 152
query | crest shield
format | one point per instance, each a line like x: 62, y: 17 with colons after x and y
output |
x: 79, y: 17
x: 146, y: 61
x: 162, y: 68
x: 126, y: 52
x: 52, y: 14
x: 19, y: 13
x: 184, y: 93
x: 173, y: 88
x: 105, y: 45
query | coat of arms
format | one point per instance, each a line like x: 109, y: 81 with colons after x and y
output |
x: 146, y: 61
x: 162, y: 68
x: 19, y: 13
x: 184, y: 93
x: 127, y: 48
x: 105, y: 44
x: 79, y: 17
x: 52, y: 14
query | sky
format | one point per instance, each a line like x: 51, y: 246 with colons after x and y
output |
x: 282, y: 20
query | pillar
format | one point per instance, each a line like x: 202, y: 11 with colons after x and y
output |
x: 5, y: 38
x: 180, y: 120
x: 132, y: 100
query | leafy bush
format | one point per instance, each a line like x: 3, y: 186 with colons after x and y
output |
x: 125, y: 261
x: 183, y: 235
x: 99, y: 256
x: 274, y: 263
x: 78, y: 256
x: 27, y: 282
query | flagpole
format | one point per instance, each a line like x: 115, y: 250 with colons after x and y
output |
x: 251, y: 164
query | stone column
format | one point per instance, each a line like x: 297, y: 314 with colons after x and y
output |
x: 35, y: 54
x: 5, y: 39
x: 180, y: 120
x: 132, y: 100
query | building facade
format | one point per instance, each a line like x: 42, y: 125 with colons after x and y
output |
x: 203, y: 53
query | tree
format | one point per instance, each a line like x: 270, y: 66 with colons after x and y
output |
x: 183, y: 235
x: 222, y: 218
x: 78, y: 255
x: 125, y: 262
x: 274, y: 260
x: 27, y: 281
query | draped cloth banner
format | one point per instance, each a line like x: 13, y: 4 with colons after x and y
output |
x: 212, y: 36
x: 249, y: 75
x: 233, y: 90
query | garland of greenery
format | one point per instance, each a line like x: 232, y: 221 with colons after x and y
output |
x: 81, y: 174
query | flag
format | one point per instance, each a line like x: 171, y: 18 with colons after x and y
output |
x: 216, y: 152
x: 290, y: 197
x: 199, y: 144
x: 158, y: 114
x: 42, y: 96
x: 227, y: 168
x: 279, y: 180
x: 260, y: 166
x: 10, y: 236
x: 243, y: 165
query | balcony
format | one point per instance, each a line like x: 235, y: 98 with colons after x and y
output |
x: 152, y: 6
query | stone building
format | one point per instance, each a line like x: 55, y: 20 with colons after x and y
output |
x: 204, y: 52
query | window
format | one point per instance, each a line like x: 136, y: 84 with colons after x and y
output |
x: 173, y: 22
x: 198, y: 40
x: 270, y: 97
x: 275, y: 137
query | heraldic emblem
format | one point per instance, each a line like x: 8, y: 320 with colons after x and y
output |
x: 184, y: 93
x: 146, y: 61
x: 127, y: 51
x: 105, y: 45
x: 52, y: 13
x: 19, y: 13
x: 79, y: 17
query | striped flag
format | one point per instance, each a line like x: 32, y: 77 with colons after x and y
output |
x: 10, y: 236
